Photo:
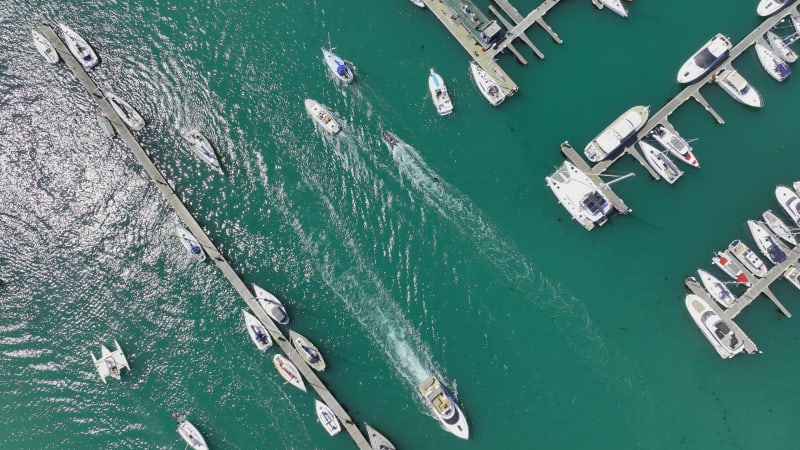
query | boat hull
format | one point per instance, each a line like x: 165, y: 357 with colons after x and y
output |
x: 190, y: 243
x: 289, y: 372
x: 780, y: 47
x: 661, y: 163
x: 778, y: 227
x: 79, y: 48
x: 203, y: 149
x: 774, y: 65
x: 439, y: 94
x: 489, y: 88
x: 337, y: 66
x: 322, y: 116
x: 327, y: 418
x: 272, y: 306
x: 767, y: 244
x: 44, y: 47
x: 126, y: 112
x: 729, y: 265
x: 444, y: 407
x: 257, y: 331
x: 191, y: 435
x: 378, y: 441
x: 767, y: 8
x: 610, y: 143
x: 748, y: 258
x: 307, y: 350
x: 704, y: 60
x: 738, y: 88
x: 711, y: 325
x: 716, y: 289
x: 616, y: 7
x: 579, y: 195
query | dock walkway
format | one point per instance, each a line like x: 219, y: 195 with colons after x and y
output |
x: 191, y: 224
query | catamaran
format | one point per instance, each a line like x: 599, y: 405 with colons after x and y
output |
x: 487, y: 85
x: 612, y: 140
x: 779, y: 227
x: 190, y: 243
x: 44, y: 47
x: 717, y: 289
x: 289, y: 372
x: 675, y: 144
x: 704, y: 60
x: 580, y: 196
x: 203, y: 148
x: 79, y: 48
x: 660, y: 163
x: 337, y: 65
x: 718, y: 333
x: 738, y: 88
x: 748, y: 258
x: 190, y: 433
x: 774, y: 65
x: 768, y: 245
x: 780, y: 47
x: 307, y: 350
x: 442, y: 404
x: 272, y: 306
x: 258, y: 333
x: 110, y: 363
x: 789, y: 202
x: 322, y: 116
x: 327, y: 418
x: 729, y: 265
x: 126, y: 112
x: 439, y: 94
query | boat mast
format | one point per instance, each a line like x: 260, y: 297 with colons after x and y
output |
x: 609, y: 183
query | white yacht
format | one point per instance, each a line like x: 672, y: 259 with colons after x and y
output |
x: 203, y: 148
x: 729, y: 265
x: 190, y: 243
x: 675, y: 144
x: 439, y: 94
x: 322, y: 116
x: 337, y: 66
x: 79, y: 48
x: 125, y: 112
x: 445, y: 408
x: 660, y: 163
x: 307, y: 350
x: 580, y: 196
x: 110, y: 363
x: 327, y: 418
x: 704, y: 60
x: 612, y: 140
x: 419, y: 3
x: 769, y: 7
x: 289, y: 372
x: 272, y: 306
x: 486, y: 84
x: 792, y: 274
x: 780, y: 47
x: 774, y: 65
x: 718, y: 333
x: 737, y: 87
x: 779, y: 227
x: 44, y: 47
x: 748, y: 258
x: 190, y: 434
x: 789, y: 202
x: 769, y: 245
x: 616, y: 7
x: 378, y: 441
x: 717, y: 289
x: 257, y: 331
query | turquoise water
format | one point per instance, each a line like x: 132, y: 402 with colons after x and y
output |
x: 446, y: 256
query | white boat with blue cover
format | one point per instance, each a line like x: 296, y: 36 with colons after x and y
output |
x: 257, y: 331
x: 717, y: 289
x: 79, y: 48
x: 748, y: 258
x: 307, y: 350
x: 439, y: 94
x: 327, y: 418
x: 612, y: 140
x: 704, y: 60
x: 44, y: 47
x: 769, y: 7
x: 190, y: 243
x: 272, y: 306
x: 774, y: 65
x: 337, y: 66
x: 660, y: 162
x: 203, y: 148
x: 444, y: 407
x: 765, y: 242
x: 734, y: 84
x: 190, y: 434
x: 790, y: 203
x: 778, y: 227
x: 719, y: 334
x: 616, y: 7
x: 780, y: 47
x: 126, y: 112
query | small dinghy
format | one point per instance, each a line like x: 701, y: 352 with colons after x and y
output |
x: 327, y: 418
x: 190, y: 243
x: 79, y: 48
x: 289, y: 372
x: 774, y: 65
x: 44, y: 47
x: 660, y: 163
x: 125, y: 112
x: 203, y: 148
x: 110, y: 363
x: 258, y: 333
x: 322, y: 116
x: 389, y: 139
x: 271, y: 305
x: 190, y: 434
x: 307, y: 350
x: 779, y: 227
x: 378, y: 441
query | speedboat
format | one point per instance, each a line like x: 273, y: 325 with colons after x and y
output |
x: 729, y: 265
x: 768, y: 244
x: 44, y: 47
x: 718, y: 333
x: 322, y: 116
x: 191, y: 243
x: 789, y: 202
x: 419, y: 3
x: 125, y: 112
x: 289, y: 372
x: 737, y: 87
x: 616, y: 7
x: 202, y: 147
x: 792, y: 274
x: 190, y: 434
x: 774, y: 65
x: 778, y: 227
x: 79, y: 48
x: 327, y: 418
x: 307, y: 350
x: 337, y: 66
x: 660, y: 163
x: 257, y: 331
x: 487, y: 85
x: 110, y: 363
x: 272, y: 306
x: 717, y: 289
x: 704, y: 60
x: 611, y: 141
x: 780, y: 47
x: 748, y: 258
x: 579, y: 195
x: 769, y: 7
x: 439, y: 94
x: 442, y: 404
x: 676, y: 145
x: 389, y: 139
x: 378, y: 441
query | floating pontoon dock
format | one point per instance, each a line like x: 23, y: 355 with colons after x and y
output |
x: 191, y: 224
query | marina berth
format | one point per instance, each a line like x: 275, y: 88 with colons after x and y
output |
x: 79, y: 48
x: 258, y: 333
x: 716, y: 289
x: 271, y: 305
x: 190, y: 434
x: 780, y: 47
x: 327, y: 418
x: 612, y: 140
x: 660, y: 162
x: 378, y: 441
x: 307, y: 350
x: 616, y: 6
x: 704, y: 60
x: 738, y: 88
x: 792, y: 275
x: 789, y: 202
x: 579, y: 195
x: 288, y: 371
x: 774, y: 65
x: 748, y: 258
x: 337, y: 66
x: 719, y: 334
x: 766, y: 243
x: 675, y: 144
x: 769, y: 7
x: 203, y: 149
x: 729, y: 265
x: 110, y: 363
x: 44, y: 47
x: 489, y: 88
x: 125, y: 111
x: 444, y: 407
x: 439, y: 94
x: 322, y: 116
x: 779, y: 228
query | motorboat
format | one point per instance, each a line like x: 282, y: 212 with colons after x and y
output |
x: 322, y: 116
x: 79, y: 48
x: 487, y: 85
x: 44, y: 47
x: 767, y: 244
x: 419, y: 3
x: 612, y: 140
x: 789, y: 202
x: 660, y: 162
x: 769, y: 7
x: 717, y: 289
x: 731, y: 266
x: 616, y: 7
x: 337, y: 66
x: 203, y: 148
x: 327, y: 418
x: 307, y: 350
x: 792, y: 274
x: 190, y: 434
x: 780, y: 47
x: 378, y: 441
x: 748, y: 258
x: 704, y: 60
x: 778, y: 227
x: 110, y: 363
x: 442, y: 404
x: 579, y: 195
x: 773, y: 64
x: 126, y: 112
x: 288, y: 371
x: 272, y: 306
x: 389, y: 139
x: 737, y: 87
x: 257, y: 331
x: 191, y: 243
x: 719, y: 334
x: 439, y: 94
x: 675, y: 144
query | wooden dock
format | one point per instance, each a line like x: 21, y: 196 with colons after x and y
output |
x: 191, y: 224
x: 521, y: 24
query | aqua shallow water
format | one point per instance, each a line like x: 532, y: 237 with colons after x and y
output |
x: 447, y: 255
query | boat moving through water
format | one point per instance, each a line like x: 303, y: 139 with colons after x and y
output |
x: 718, y: 333
x: 612, y: 140
x: 439, y: 94
x: 442, y: 404
x: 322, y: 116
x: 190, y: 433
x: 390, y: 139
x: 337, y: 66
x: 710, y: 55
x: 717, y: 289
